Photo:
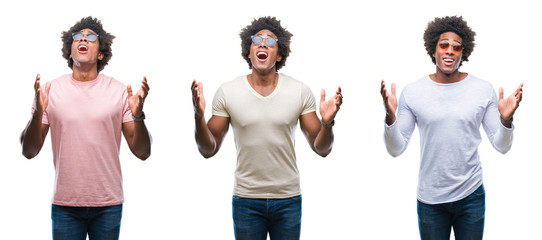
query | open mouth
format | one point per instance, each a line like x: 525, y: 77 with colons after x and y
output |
x: 448, y: 61
x: 261, y: 55
x: 82, y: 48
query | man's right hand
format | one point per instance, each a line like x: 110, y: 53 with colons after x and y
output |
x: 198, y: 100
x: 34, y: 134
x: 41, y: 95
x: 390, y: 102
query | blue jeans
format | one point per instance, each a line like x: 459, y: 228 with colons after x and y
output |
x: 466, y: 216
x: 73, y: 223
x: 254, y: 218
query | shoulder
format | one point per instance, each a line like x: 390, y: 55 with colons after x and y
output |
x: 60, y: 84
x: 110, y: 80
x: 479, y: 81
x: 112, y: 85
x: 233, y: 84
x: 479, y: 85
x: 231, y: 88
x: 418, y: 85
x: 289, y: 82
x: 62, y: 79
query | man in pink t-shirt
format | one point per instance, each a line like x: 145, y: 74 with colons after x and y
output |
x: 87, y: 112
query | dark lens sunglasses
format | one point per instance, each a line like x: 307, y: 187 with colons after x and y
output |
x: 456, y: 46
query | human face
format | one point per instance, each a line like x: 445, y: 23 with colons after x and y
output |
x: 84, y: 51
x: 449, y: 52
x: 262, y: 56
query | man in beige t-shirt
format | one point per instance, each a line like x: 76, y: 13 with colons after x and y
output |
x: 263, y: 109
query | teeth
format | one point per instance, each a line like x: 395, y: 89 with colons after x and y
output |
x: 448, y: 60
x: 261, y: 55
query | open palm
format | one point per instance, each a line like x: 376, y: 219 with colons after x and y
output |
x: 135, y: 102
x: 42, y: 94
x: 390, y: 101
x: 197, y: 99
x: 508, y: 106
x: 329, y: 108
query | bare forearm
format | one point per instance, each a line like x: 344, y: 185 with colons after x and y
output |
x: 33, y: 136
x: 205, y: 140
x: 324, y: 141
x: 141, y: 141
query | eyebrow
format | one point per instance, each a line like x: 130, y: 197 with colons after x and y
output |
x: 267, y: 36
x: 89, y: 32
x: 452, y: 40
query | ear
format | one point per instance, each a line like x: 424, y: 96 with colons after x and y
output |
x: 279, y: 58
x: 100, y: 56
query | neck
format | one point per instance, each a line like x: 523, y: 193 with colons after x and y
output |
x: 263, y: 84
x: 263, y: 79
x: 84, y: 73
x: 441, y: 77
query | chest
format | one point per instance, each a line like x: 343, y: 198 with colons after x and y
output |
x: 83, y: 106
x: 280, y: 110
x: 464, y: 107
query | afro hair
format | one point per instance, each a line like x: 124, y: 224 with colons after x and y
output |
x: 105, y: 39
x: 449, y: 24
x: 273, y: 25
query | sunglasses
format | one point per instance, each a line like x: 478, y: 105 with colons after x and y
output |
x: 270, y: 41
x: 456, y: 46
x: 90, y: 36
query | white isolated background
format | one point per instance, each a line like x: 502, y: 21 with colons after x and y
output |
x: 357, y: 192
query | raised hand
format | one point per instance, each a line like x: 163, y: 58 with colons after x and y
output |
x: 198, y: 100
x: 42, y: 95
x: 390, y: 102
x: 507, y: 106
x: 329, y: 108
x: 135, y: 102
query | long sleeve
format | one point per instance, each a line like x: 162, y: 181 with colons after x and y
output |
x: 397, y: 135
x: 500, y: 136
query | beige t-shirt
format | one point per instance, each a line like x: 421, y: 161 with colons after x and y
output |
x: 264, y: 132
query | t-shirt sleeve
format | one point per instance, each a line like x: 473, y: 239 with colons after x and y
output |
x: 309, y: 104
x: 126, y: 112
x: 219, y: 104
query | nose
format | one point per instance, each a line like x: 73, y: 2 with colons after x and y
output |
x: 450, y: 50
x: 263, y: 43
x: 84, y: 38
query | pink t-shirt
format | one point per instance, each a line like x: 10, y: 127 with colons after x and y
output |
x: 85, y: 120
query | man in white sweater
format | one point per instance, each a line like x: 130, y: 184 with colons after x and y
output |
x: 449, y: 106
